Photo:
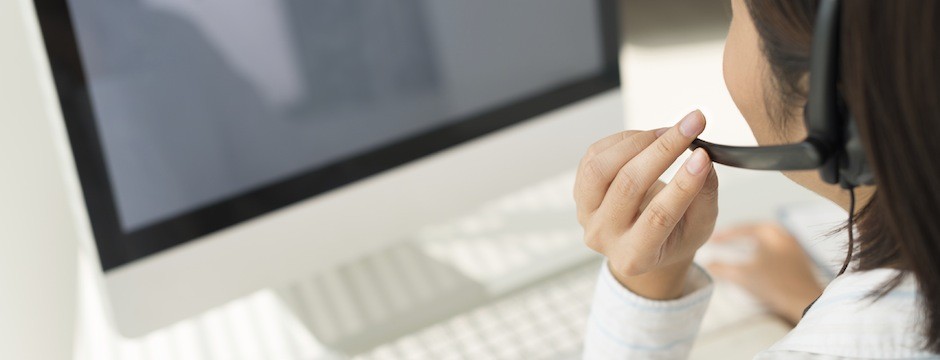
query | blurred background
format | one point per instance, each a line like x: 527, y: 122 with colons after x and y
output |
x: 333, y: 179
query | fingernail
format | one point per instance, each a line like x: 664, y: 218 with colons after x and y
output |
x: 697, y: 162
x: 693, y: 124
x: 660, y: 132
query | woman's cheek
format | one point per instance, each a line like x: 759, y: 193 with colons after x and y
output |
x: 735, y: 79
x: 741, y: 67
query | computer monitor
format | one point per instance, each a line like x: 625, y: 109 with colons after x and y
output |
x: 227, y: 146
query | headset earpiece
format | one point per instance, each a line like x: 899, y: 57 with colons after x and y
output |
x: 848, y: 165
x: 853, y: 164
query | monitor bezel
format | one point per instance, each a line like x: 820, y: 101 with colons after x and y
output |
x: 117, y: 247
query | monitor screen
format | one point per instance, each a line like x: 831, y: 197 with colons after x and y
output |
x: 189, y: 116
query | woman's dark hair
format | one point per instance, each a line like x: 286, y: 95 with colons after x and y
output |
x: 890, y: 80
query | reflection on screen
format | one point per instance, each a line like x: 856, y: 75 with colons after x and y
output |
x: 199, y: 101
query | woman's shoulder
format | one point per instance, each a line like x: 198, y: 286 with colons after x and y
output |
x: 850, y: 321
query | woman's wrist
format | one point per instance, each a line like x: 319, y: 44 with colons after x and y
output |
x: 666, y: 283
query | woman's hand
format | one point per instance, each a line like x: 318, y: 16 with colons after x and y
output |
x: 649, y: 231
x: 779, y: 274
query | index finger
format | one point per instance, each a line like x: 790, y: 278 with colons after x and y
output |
x: 608, y: 141
x: 596, y: 174
x: 627, y: 190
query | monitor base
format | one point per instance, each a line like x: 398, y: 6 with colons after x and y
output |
x: 361, y: 305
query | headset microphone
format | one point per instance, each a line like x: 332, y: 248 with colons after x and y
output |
x: 833, y: 144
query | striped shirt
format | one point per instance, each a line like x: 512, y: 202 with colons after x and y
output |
x: 843, y: 323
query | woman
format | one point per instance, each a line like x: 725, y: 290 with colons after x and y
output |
x: 650, y: 297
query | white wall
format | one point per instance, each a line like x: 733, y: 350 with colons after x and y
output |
x: 37, y: 236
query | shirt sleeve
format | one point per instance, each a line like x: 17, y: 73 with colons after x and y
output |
x: 623, y: 325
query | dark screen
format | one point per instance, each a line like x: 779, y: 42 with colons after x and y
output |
x: 189, y: 116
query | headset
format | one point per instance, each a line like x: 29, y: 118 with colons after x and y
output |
x: 833, y: 143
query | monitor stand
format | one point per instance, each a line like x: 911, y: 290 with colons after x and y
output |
x: 356, y: 307
x: 361, y: 305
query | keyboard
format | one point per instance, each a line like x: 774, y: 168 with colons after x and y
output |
x: 544, y: 322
